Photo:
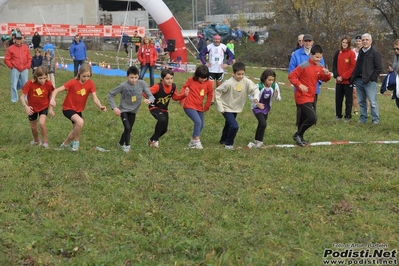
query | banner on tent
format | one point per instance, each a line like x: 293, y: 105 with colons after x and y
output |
x: 72, y: 30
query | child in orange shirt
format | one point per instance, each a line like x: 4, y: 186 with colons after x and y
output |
x: 200, y: 87
x: 78, y: 90
x: 38, y: 92
x: 162, y: 92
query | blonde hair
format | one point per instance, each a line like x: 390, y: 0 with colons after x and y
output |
x: 84, y: 68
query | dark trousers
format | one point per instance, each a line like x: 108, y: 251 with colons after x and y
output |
x: 262, y: 124
x: 308, y: 118
x: 76, y: 64
x: 230, y: 128
x: 342, y: 90
x: 128, y: 122
x: 161, y: 127
x: 298, y: 109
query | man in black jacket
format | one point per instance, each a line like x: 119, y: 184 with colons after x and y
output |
x: 365, y: 77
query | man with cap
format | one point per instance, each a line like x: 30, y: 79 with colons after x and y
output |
x: 365, y: 76
x: 298, y: 57
x: 18, y: 59
x: 216, y: 52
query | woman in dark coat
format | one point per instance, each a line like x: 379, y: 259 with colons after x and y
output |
x: 36, y: 40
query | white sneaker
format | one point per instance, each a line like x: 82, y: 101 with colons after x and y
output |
x: 229, y: 147
x: 195, y: 145
x: 154, y: 144
x: 259, y: 144
x: 75, y: 146
x: 34, y: 142
x: 126, y: 148
x: 45, y: 145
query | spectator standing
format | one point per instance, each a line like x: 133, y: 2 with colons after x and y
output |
x: 201, y: 44
x: 256, y: 37
x: 49, y: 64
x: 356, y: 49
x: 298, y: 45
x: 343, y: 64
x: 18, y: 60
x: 48, y: 46
x: 78, y: 53
x: 136, y: 39
x: 147, y: 56
x: 36, y: 60
x: 365, y: 76
x: 36, y: 39
x: 6, y: 41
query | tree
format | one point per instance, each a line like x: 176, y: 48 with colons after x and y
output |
x: 389, y: 10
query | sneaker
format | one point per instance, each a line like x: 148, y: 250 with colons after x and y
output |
x: 298, y: 140
x: 68, y: 146
x: 258, y: 143
x: 154, y: 144
x: 195, y: 145
x: 347, y: 120
x: 376, y: 122
x: 75, y: 146
x: 229, y: 147
x: 34, y: 142
x: 126, y: 148
x: 149, y: 142
x: 45, y: 145
x: 356, y: 112
x: 338, y: 118
x: 303, y: 140
x: 222, y: 142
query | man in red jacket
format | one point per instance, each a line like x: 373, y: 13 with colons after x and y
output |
x: 18, y: 59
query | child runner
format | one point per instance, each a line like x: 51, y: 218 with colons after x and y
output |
x: 268, y: 89
x: 78, y: 90
x: 162, y: 92
x: 230, y: 98
x: 38, y: 92
x: 130, y: 101
x: 305, y: 77
x: 200, y: 87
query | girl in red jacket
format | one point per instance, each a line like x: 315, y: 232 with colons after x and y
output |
x: 343, y: 65
x: 200, y: 88
x: 147, y: 55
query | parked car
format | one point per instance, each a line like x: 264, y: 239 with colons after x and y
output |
x: 263, y: 35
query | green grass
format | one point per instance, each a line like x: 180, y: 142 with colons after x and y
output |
x: 173, y: 206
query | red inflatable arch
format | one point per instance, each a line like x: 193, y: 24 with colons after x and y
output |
x: 168, y: 25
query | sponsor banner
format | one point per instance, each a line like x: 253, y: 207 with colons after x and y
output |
x: 72, y: 30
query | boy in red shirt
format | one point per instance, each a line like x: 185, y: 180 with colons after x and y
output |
x: 304, y: 78
x: 38, y: 92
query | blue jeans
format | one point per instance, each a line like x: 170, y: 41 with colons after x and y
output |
x: 143, y: 69
x: 198, y: 119
x: 230, y: 128
x: 18, y: 80
x: 367, y: 91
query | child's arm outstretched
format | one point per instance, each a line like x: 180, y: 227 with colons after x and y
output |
x: 54, y: 94
x: 97, y: 102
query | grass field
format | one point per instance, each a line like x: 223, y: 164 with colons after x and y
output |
x: 175, y: 206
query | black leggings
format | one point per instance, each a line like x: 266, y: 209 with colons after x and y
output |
x: 308, y: 117
x: 128, y: 122
x: 161, y: 127
x: 262, y: 124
